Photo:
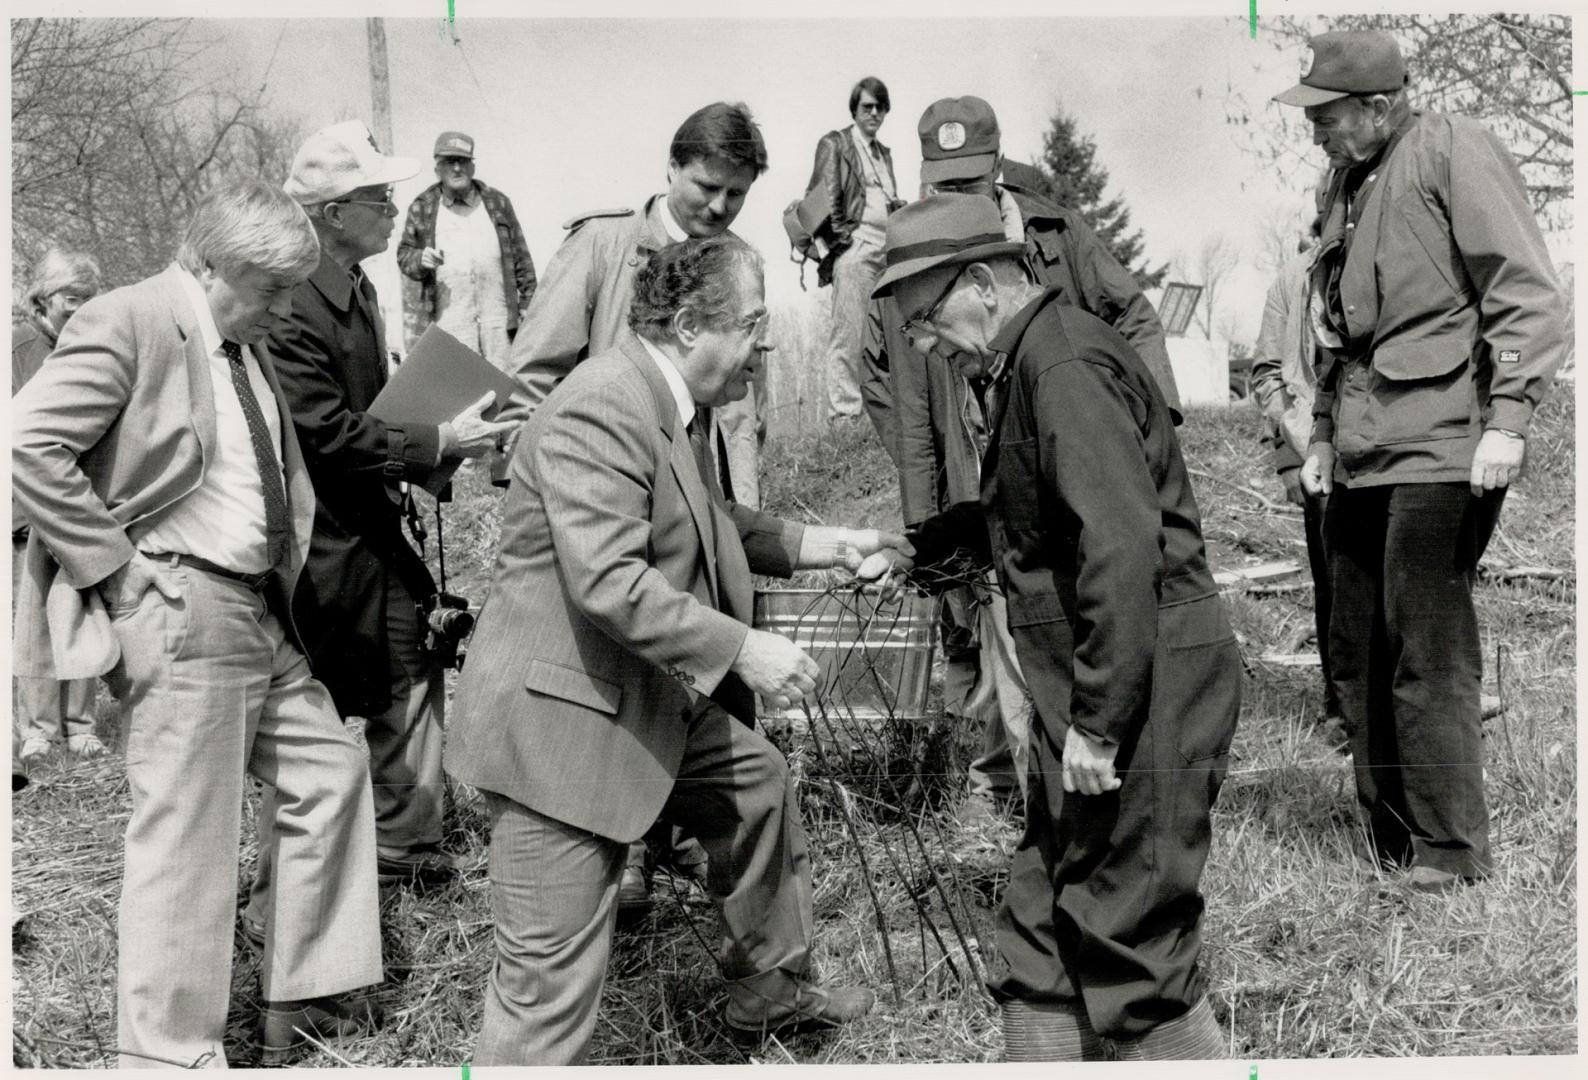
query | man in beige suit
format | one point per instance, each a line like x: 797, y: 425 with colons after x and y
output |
x: 612, y: 658
x: 154, y: 456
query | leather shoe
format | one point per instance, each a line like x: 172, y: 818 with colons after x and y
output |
x: 287, y: 1026
x: 634, y: 892
x: 752, y: 1016
x: 419, y: 866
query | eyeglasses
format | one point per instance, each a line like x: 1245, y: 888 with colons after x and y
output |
x: 755, y: 324
x: 871, y: 107
x: 385, y: 203
x: 920, y: 322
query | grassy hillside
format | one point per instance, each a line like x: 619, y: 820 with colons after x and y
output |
x: 1310, y: 951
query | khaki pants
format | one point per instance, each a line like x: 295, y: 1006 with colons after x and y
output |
x: 855, y: 272
x: 213, y: 691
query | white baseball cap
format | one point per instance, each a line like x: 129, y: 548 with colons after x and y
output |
x: 342, y: 158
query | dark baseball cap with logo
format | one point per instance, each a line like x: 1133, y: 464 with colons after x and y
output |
x: 959, y: 139
x: 1346, y: 62
x: 454, y: 144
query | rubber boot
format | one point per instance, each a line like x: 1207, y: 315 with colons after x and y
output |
x: 1192, y: 1036
x: 1045, y: 1031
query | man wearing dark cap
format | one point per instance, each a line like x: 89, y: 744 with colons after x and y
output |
x: 926, y: 414
x: 463, y: 257
x: 1440, y: 326
x: 1086, y: 513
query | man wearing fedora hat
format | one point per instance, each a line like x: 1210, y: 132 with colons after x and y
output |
x: 1087, y: 515
x: 463, y: 256
x: 1440, y: 326
x: 934, y: 428
x: 359, y: 602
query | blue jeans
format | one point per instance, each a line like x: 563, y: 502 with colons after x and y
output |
x: 1404, y: 648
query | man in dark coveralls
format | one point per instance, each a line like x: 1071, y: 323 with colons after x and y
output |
x: 1087, y: 514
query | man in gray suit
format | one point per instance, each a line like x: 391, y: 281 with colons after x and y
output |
x: 155, y: 459
x: 610, y: 662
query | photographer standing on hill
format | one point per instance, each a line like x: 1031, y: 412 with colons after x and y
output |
x: 360, y: 604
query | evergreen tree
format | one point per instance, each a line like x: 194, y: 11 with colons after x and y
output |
x: 1070, y: 176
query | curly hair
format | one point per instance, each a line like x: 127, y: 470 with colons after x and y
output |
x: 701, y: 274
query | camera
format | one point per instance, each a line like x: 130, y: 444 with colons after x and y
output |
x: 447, y: 620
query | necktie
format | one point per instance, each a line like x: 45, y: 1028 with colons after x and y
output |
x: 278, y: 528
x: 698, y: 430
x: 366, y: 294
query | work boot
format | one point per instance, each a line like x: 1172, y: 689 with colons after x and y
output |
x: 1192, y: 1036
x: 1431, y: 879
x: 1049, y: 1031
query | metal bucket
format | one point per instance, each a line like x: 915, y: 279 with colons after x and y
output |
x: 875, y: 658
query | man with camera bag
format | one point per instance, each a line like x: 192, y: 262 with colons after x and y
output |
x: 365, y: 602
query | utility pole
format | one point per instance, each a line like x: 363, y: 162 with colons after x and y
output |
x: 380, y: 83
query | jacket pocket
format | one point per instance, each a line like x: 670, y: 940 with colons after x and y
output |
x: 1422, y: 390
x: 1018, y: 485
x: 1197, y: 680
x: 570, y: 684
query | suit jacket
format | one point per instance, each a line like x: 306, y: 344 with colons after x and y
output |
x: 621, y: 593
x: 332, y: 366
x: 116, y: 427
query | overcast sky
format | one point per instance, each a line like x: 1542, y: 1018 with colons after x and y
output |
x: 573, y: 114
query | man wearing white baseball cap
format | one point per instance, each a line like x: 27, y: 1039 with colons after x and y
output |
x: 361, y: 600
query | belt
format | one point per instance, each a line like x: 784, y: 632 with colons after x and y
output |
x: 256, y: 582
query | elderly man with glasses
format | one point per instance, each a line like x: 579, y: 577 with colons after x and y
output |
x: 359, y: 603
x: 1087, y: 515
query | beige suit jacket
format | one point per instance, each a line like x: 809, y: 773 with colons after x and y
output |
x: 621, y: 593
x: 117, y: 426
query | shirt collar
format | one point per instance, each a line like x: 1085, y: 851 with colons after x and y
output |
x: 867, y: 146
x: 201, y: 310
x: 469, y: 198
x: 675, y: 382
x: 675, y: 231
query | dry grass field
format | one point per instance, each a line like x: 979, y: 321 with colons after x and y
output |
x: 1310, y: 951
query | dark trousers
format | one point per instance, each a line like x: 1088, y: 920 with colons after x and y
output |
x: 1403, y: 643
x: 1103, y: 907
x: 1322, y: 595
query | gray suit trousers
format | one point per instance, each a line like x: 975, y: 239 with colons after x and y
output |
x: 554, y: 894
x: 212, y: 690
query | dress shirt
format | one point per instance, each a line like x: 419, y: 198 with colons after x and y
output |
x: 223, y: 519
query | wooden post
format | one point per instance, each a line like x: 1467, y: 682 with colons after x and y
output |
x: 380, y: 84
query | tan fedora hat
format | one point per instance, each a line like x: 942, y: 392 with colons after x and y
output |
x: 942, y: 229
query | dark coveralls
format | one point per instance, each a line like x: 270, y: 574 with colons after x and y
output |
x: 1087, y: 512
